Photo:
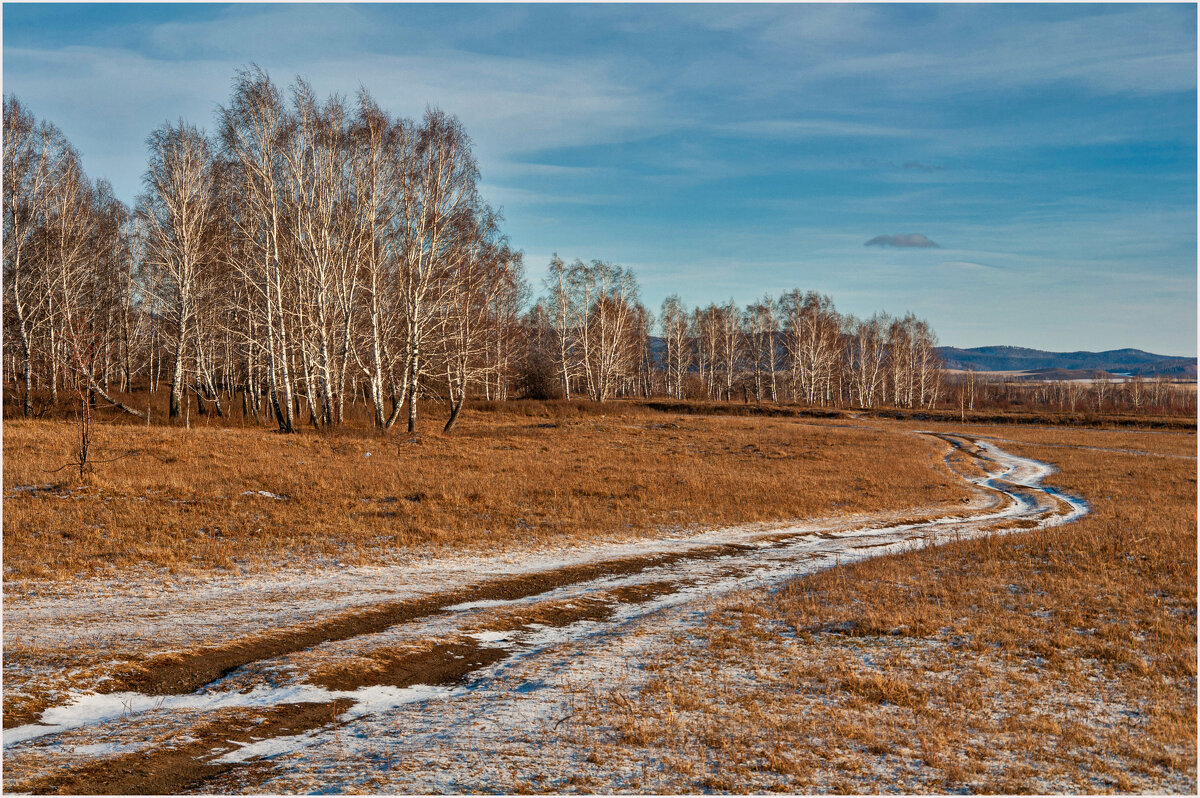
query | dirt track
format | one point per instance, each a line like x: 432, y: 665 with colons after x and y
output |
x: 290, y: 683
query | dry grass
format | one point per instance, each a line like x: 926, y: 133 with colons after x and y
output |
x: 189, y: 501
x: 1053, y: 660
x: 1162, y: 443
x: 1060, y: 660
x: 1181, y: 419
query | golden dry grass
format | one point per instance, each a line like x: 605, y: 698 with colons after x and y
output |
x: 1058, y: 660
x: 1054, y: 660
x: 190, y: 500
x: 1181, y: 418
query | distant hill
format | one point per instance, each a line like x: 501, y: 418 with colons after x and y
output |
x: 1115, y: 361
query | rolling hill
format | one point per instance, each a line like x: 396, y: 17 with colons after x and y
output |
x: 1115, y: 361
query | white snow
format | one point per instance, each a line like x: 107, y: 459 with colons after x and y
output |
x: 86, y: 709
x: 482, y: 604
x: 103, y: 749
x: 268, y: 748
x: 266, y: 494
x: 492, y: 639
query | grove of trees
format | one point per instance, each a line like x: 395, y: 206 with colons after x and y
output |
x: 311, y: 250
x: 600, y: 341
x: 314, y: 253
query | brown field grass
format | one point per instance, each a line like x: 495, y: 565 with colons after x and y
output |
x: 1049, y: 660
x: 1182, y: 420
x: 188, y: 500
x: 1055, y: 660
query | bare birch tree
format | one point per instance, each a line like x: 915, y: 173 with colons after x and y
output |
x: 674, y: 325
x: 178, y: 211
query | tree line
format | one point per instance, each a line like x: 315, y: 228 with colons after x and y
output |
x: 970, y: 390
x: 313, y: 252
x: 593, y: 333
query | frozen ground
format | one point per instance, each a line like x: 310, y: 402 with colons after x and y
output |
x: 470, y: 696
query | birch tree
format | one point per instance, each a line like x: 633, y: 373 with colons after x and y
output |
x: 178, y: 212
x: 487, y: 270
x: 564, y: 319
x: 254, y: 130
x: 674, y: 327
x: 439, y: 193
x: 762, y: 327
x: 37, y: 160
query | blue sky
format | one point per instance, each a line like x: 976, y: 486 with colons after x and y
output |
x: 1049, y: 151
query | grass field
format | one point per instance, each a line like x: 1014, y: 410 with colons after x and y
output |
x: 1058, y: 660
x: 225, y: 498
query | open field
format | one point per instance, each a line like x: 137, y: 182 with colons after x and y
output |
x: 234, y: 499
x: 457, y: 400
x: 1085, y: 376
x: 593, y: 603
x: 1057, y: 660
x: 1035, y: 416
x: 200, y: 510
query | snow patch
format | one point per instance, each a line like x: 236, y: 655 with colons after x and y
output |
x: 266, y: 749
x: 266, y: 494
x: 481, y: 604
x: 491, y: 639
x: 87, y: 709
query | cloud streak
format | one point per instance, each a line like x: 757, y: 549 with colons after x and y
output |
x: 509, y: 104
x: 903, y: 240
x: 1058, y: 140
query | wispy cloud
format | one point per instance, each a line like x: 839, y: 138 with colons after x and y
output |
x: 918, y: 166
x: 1145, y: 49
x: 909, y: 166
x: 814, y: 127
x: 510, y: 105
x: 968, y: 266
x: 902, y: 240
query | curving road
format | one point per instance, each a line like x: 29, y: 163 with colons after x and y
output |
x: 481, y: 659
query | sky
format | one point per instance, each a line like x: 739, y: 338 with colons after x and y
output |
x: 1019, y: 175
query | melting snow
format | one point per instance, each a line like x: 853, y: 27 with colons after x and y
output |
x: 475, y: 605
x: 87, y: 709
x: 491, y: 639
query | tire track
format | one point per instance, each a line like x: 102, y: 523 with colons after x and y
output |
x: 479, y: 629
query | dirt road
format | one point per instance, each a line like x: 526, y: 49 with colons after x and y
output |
x: 431, y: 680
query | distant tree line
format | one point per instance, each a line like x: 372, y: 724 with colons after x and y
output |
x: 970, y: 390
x: 313, y: 253
x: 592, y: 332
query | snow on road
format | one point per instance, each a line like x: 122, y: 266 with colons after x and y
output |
x: 551, y: 644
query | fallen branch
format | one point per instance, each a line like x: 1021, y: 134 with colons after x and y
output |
x: 104, y: 395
